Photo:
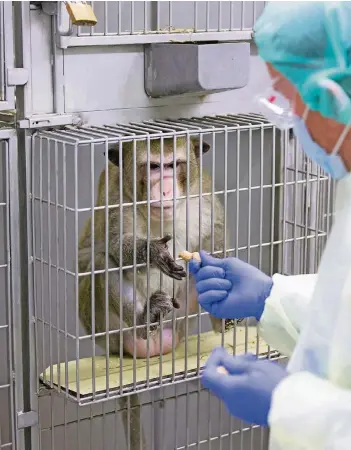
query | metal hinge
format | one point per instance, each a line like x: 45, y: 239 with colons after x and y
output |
x: 17, y: 77
x: 49, y: 121
x: 27, y: 419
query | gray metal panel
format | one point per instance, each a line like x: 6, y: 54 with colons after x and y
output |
x: 232, y: 61
x: 106, y: 84
x: 110, y: 84
x: 41, y: 87
x: 176, y: 69
x: 7, y: 93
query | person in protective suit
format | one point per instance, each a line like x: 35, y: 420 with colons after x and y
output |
x: 307, y: 49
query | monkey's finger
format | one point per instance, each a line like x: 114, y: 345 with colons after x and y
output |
x: 166, y: 238
x: 174, y: 266
x: 178, y: 275
x: 179, y: 271
x: 164, y: 269
x: 175, y: 276
x: 168, y: 270
x: 177, y: 267
x: 163, y: 263
x: 175, y: 303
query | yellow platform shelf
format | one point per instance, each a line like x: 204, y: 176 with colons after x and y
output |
x: 208, y: 341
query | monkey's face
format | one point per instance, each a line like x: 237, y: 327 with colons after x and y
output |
x: 164, y: 178
x: 165, y: 184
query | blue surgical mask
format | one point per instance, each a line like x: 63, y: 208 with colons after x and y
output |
x: 331, y: 163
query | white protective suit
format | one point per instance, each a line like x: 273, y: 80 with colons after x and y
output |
x: 311, y: 408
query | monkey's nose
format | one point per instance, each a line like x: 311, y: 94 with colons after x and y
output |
x: 168, y: 194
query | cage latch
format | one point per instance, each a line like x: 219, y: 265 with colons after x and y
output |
x: 27, y: 419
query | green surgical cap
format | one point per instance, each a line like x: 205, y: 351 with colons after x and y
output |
x: 310, y: 44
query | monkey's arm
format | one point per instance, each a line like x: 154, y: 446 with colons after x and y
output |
x: 115, y: 247
x: 158, y: 251
x: 159, y: 303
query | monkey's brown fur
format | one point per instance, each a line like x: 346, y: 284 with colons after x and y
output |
x: 124, y: 161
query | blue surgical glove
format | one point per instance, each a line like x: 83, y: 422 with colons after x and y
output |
x: 247, y: 388
x: 229, y: 288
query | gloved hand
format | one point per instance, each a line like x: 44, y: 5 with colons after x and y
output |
x: 247, y: 388
x: 229, y: 288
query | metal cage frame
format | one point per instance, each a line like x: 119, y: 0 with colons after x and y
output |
x: 92, y: 137
x: 153, y: 30
x: 12, y: 322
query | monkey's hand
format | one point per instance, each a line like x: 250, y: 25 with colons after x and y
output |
x: 161, y: 303
x: 160, y: 257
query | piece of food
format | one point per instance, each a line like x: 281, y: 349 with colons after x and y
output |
x: 221, y: 369
x: 187, y: 256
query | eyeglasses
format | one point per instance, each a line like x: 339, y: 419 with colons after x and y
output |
x: 275, y: 108
x: 278, y: 110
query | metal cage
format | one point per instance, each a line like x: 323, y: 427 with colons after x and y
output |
x: 275, y: 219
x: 145, y: 22
x: 277, y: 211
x: 178, y: 417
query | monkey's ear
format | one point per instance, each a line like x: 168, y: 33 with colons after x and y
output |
x: 113, y: 156
x: 196, y: 144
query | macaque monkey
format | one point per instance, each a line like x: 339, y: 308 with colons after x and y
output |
x: 134, y: 249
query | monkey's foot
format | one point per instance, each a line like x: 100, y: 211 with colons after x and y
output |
x: 229, y: 323
x: 156, y: 346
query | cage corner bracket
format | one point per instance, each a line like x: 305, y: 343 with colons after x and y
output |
x: 49, y: 121
x: 27, y: 419
x: 17, y: 76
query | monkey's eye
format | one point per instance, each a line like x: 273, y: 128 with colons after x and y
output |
x: 154, y: 166
x: 171, y: 165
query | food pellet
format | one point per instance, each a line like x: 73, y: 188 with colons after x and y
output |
x: 188, y: 256
x: 221, y: 369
